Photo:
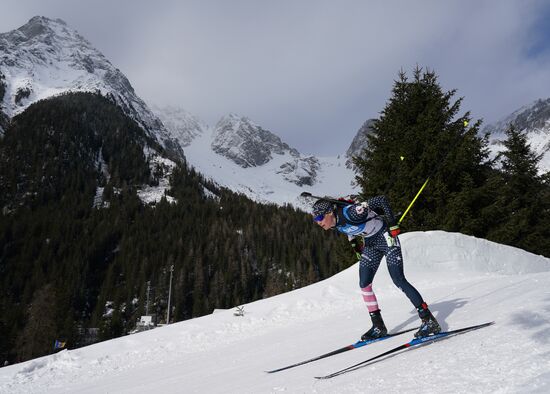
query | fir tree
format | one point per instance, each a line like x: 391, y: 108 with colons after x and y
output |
x: 522, y: 202
x: 39, y: 333
x: 421, y: 135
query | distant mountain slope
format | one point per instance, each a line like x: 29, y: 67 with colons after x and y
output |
x: 534, y: 120
x: 246, y: 143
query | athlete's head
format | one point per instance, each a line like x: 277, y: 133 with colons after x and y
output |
x: 323, y: 213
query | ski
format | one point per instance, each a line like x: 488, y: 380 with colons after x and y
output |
x: 415, y: 343
x: 342, y: 350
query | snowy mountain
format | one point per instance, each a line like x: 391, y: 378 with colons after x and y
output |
x: 534, y: 120
x: 359, y: 142
x: 246, y: 143
x: 46, y: 57
x: 465, y: 280
x: 244, y: 157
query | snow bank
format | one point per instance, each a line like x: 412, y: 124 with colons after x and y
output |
x: 442, y: 251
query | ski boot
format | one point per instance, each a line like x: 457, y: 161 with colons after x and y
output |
x: 378, y: 329
x: 429, y: 324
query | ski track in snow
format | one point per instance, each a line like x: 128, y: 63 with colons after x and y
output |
x: 465, y: 280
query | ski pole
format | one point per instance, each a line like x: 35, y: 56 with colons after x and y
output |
x: 413, y: 201
x: 434, y: 171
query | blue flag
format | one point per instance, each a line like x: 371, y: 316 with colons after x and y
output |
x: 59, y: 345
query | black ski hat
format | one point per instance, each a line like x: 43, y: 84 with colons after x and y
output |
x: 322, y: 207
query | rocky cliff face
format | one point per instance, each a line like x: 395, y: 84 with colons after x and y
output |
x: 359, y: 142
x: 246, y: 143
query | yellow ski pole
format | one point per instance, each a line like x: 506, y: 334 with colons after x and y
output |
x: 412, y: 202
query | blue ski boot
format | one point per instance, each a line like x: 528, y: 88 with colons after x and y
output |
x: 429, y: 324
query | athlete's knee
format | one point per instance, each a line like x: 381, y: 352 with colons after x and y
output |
x: 365, y: 282
x: 366, y: 275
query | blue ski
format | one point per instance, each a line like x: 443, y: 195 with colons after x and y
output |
x: 417, y: 342
x: 342, y: 350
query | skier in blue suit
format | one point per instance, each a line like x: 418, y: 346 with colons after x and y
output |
x: 380, y: 239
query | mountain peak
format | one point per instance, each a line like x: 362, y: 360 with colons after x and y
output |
x: 45, y: 58
x: 44, y: 22
x: 245, y: 143
x: 41, y: 29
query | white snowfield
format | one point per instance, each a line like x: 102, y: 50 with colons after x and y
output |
x: 465, y: 280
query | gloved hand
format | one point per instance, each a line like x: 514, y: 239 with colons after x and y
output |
x: 357, y: 246
x: 395, y: 231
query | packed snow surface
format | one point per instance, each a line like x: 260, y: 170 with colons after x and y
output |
x: 465, y: 280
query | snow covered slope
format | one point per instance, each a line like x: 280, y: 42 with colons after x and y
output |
x: 465, y: 280
x: 242, y: 156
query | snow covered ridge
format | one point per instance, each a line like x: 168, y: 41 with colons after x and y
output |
x: 532, y: 119
x: 466, y: 281
x: 45, y: 57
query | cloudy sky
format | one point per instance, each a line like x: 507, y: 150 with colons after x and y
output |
x: 312, y: 71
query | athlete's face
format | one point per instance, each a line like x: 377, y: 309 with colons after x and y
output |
x: 328, y: 222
